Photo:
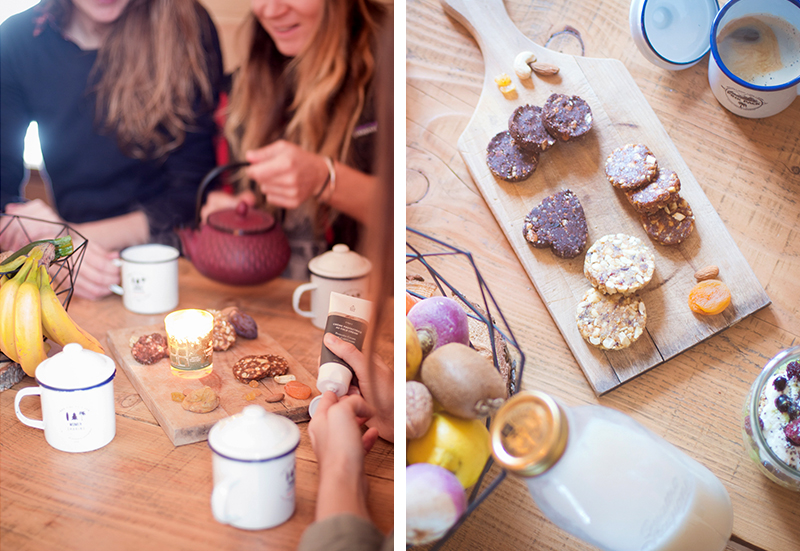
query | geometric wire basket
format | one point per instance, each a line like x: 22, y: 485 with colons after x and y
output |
x: 438, y: 258
x: 63, y: 271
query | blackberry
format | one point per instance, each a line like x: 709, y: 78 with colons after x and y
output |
x: 783, y: 403
x: 793, y: 370
x: 779, y: 383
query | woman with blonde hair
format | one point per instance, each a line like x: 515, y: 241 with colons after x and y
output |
x: 124, y: 93
x: 302, y: 114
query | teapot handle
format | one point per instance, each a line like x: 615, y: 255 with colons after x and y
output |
x: 207, y: 179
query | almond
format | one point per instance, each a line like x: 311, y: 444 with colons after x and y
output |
x: 709, y: 272
x: 545, y: 69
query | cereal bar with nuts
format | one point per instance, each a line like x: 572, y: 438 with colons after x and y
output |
x: 671, y: 224
x: 657, y: 194
x: 619, y: 263
x: 631, y: 166
x: 610, y: 322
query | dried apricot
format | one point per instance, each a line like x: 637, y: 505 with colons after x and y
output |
x: 709, y: 297
x: 298, y: 390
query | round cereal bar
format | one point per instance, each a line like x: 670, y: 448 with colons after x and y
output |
x: 631, y: 166
x: 149, y: 349
x: 257, y: 367
x: 659, y: 193
x: 525, y: 126
x: 508, y: 161
x: 610, y: 322
x: 670, y: 224
x: 566, y: 117
x: 619, y: 263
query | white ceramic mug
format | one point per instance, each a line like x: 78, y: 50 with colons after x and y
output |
x: 339, y: 270
x: 321, y: 289
x: 254, y: 469
x: 749, y: 89
x: 149, y: 278
x: 76, y: 388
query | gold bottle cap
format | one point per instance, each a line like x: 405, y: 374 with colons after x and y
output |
x: 529, y: 433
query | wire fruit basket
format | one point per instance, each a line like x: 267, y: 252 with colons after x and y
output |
x: 16, y: 231
x: 434, y: 257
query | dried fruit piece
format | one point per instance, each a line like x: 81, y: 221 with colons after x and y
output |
x: 502, y: 80
x: 709, y: 297
x: 178, y: 396
x: 201, y: 400
x: 252, y: 395
x: 792, y: 432
x: 274, y: 398
x: 298, y: 390
x: 244, y: 325
x: 709, y: 272
x: 253, y: 383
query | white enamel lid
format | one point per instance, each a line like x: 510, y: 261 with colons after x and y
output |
x: 672, y: 34
x: 340, y: 263
x: 75, y: 368
x: 254, y: 434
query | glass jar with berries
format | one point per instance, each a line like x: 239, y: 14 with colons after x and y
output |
x: 771, y: 419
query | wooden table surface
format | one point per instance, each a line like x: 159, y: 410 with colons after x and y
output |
x: 141, y: 492
x: 749, y: 170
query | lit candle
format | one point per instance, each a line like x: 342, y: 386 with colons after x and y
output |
x: 190, y: 343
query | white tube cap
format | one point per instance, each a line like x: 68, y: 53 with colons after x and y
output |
x: 334, y: 377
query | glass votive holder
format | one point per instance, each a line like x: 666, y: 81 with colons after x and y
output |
x: 190, y: 343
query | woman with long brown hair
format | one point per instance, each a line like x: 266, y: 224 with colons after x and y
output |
x: 302, y: 113
x: 124, y: 93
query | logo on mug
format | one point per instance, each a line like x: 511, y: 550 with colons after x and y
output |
x: 743, y: 100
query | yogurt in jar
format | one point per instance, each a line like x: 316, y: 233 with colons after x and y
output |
x: 784, y: 382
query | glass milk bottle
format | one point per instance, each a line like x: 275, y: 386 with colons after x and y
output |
x: 600, y: 475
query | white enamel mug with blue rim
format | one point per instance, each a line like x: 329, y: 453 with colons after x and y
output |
x: 76, y: 387
x: 672, y: 34
x: 736, y: 95
x: 254, y: 468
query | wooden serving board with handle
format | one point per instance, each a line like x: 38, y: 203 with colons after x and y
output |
x: 155, y: 384
x: 621, y: 116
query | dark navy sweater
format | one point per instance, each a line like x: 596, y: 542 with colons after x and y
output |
x: 45, y: 78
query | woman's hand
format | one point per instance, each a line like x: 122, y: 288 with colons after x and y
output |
x: 286, y: 173
x: 220, y: 200
x: 98, y: 271
x: 340, y: 448
x: 14, y: 237
x: 375, y: 382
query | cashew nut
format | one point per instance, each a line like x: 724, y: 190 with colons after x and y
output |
x: 522, y: 64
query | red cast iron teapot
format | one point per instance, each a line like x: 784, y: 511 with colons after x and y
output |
x: 241, y: 246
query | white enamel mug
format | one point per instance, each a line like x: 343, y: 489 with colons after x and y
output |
x: 149, y: 276
x: 339, y: 270
x: 254, y: 469
x: 776, y: 92
x: 76, y: 388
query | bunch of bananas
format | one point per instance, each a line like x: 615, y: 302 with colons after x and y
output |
x: 30, y: 309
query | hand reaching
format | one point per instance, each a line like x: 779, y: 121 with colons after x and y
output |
x: 340, y: 449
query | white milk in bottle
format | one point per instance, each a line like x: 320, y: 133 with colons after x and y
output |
x: 600, y: 475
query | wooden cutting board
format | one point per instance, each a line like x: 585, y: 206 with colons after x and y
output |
x: 155, y: 384
x: 621, y: 115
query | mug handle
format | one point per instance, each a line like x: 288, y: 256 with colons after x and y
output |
x: 296, y: 299
x: 28, y: 391
x: 116, y: 289
x: 219, y: 500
